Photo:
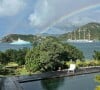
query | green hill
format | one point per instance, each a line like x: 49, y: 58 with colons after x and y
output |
x: 92, y: 29
x: 31, y: 38
x: 11, y: 37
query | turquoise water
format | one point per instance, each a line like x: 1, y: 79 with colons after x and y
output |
x: 87, y: 48
x: 82, y: 82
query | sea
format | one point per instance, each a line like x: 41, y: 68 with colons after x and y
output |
x: 5, y: 46
x: 86, y: 48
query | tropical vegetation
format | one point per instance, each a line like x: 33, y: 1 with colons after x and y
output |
x: 47, y: 54
x: 51, y: 54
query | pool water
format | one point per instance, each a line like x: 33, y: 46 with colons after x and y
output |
x: 82, y: 82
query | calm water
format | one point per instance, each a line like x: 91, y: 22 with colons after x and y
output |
x: 87, y: 48
x: 83, y: 82
x: 5, y: 46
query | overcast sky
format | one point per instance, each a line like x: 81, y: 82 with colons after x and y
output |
x: 41, y: 16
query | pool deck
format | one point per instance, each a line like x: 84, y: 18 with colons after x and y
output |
x: 13, y: 83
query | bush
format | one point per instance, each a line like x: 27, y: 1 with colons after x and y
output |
x: 97, y: 88
x: 96, y: 55
x: 50, y: 54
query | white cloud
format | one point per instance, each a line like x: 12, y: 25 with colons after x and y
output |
x: 10, y: 7
x: 48, y: 12
x: 40, y: 13
x: 78, y: 21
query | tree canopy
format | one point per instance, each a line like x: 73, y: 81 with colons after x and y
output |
x: 12, y: 55
x: 49, y: 54
x: 96, y: 55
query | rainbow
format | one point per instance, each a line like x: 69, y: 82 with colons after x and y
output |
x: 69, y: 15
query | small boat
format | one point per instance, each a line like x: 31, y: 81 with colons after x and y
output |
x: 20, y: 42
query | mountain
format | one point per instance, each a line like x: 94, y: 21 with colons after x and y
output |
x: 90, y: 30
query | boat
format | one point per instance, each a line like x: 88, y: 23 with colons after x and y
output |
x: 80, y: 41
x: 20, y: 42
x: 84, y: 40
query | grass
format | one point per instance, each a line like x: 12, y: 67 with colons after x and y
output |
x: 97, y: 88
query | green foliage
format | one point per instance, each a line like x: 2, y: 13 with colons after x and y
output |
x: 44, y: 56
x: 21, y: 71
x: 97, y: 78
x: 12, y: 55
x: 3, y: 58
x: 1, y: 66
x: 21, y: 53
x: 49, y: 55
x: 6, y: 71
x: 96, y: 55
x: 84, y: 63
x: 97, y: 88
x: 11, y: 37
x: 73, y: 53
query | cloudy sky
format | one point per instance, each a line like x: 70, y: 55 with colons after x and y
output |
x: 46, y: 16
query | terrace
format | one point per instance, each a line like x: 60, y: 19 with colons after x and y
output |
x: 13, y: 83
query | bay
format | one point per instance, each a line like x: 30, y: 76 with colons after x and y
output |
x: 86, y: 48
x: 5, y: 46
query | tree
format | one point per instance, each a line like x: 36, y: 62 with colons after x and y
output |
x: 11, y: 55
x: 20, y: 56
x: 73, y: 53
x: 45, y: 56
x: 49, y: 54
x: 97, y: 78
x: 96, y: 55
x: 3, y: 58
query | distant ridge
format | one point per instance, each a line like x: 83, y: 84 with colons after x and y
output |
x: 31, y: 38
x: 92, y: 28
x: 12, y: 37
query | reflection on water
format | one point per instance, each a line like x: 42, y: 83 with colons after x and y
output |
x: 83, y: 82
x: 52, y: 84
